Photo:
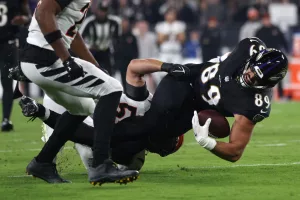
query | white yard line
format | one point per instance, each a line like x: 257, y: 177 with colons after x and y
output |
x: 248, y: 165
x: 22, y: 150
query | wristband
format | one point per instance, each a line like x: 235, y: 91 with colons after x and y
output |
x: 166, y: 67
x: 208, y: 143
x: 136, y: 93
x: 53, y: 36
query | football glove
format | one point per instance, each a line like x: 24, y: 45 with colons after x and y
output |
x: 176, y: 70
x: 74, y: 70
x: 201, y: 133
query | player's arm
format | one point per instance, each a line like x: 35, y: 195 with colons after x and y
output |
x: 137, y: 68
x: 239, y: 138
x: 45, y: 16
x: 25, y: 17
x: 240, y: 135
x: 80, y: 49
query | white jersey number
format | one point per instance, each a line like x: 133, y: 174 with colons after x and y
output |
x: 213, y: 93
x: 3, y: 15
x: 260, y: 100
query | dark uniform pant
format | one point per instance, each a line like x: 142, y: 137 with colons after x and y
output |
x: 8, y: 59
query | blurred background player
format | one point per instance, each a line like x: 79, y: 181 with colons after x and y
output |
x: 251, y: 25
x: 101, y: 33
x: 211, y: 40
x: 170, y: 38
x: 13, y: 14
x: 126, y: 51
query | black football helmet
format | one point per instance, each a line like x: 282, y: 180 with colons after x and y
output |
x: 269, y: 66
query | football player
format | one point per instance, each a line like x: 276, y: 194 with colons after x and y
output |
x: 13, y: 14
x: 237, y: 85
x: 129, y: 154
x: 73, y: 83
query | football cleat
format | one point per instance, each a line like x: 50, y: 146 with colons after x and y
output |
x: 7, y: 126
x: 108, y: 172
x: 44, y: 171
x: 29, y: 107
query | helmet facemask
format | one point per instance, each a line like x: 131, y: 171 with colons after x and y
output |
x: 264, y: 69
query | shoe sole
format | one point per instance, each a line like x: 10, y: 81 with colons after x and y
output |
x: 122, y: 181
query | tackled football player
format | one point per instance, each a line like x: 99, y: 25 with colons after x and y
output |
x: 236, y: 85
x: 74, y: 83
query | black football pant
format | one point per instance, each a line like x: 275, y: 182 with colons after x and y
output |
x: 8, y: 59
x: 84, y: 134
x: 170, y: 114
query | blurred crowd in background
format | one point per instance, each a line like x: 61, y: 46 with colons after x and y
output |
x: 182, y: 31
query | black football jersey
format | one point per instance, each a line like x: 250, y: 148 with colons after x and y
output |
x: 217, y: 87
x: 8, y: 10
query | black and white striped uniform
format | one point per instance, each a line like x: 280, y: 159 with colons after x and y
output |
x: 41, y: 65
x: 101, y: 37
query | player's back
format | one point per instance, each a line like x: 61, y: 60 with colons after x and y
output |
x: 217, y: 86
x: 69, y: 20
x: 9, y: 9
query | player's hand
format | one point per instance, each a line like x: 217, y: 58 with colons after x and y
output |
x: 176, y: 70
x: 19, y: 20
x: 201, y: 133
x: 74, y: 70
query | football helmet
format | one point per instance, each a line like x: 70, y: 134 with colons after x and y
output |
x: 264, y: 69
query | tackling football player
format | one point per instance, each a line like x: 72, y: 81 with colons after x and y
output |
x: 73, y: 83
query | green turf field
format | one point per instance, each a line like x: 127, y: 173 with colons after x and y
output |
x: 269, y: 169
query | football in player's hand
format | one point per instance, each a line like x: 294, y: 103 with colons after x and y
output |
x: 219, y: 126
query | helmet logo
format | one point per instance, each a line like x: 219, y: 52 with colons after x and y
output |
x: 258, y: 72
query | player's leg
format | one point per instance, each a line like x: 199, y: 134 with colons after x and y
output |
x: 8, y: 59
x: 108, y: 96
x: 95, y: 84
x: 50, y: 104
x: 129, y: 154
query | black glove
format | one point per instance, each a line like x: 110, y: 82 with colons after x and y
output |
x: 74, y: 70
x: 176, y: 70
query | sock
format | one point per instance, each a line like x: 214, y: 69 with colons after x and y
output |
x: 7, y: 98
x: 41, y: 113
x: 104, y: 121
x: 64, y: 128
x: 52, y: 119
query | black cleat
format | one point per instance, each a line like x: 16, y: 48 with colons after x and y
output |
x: 29, y: 107
x: 109, y: 173
x: 44, y: 171
x: 7, y: 126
